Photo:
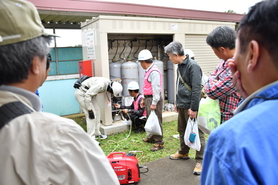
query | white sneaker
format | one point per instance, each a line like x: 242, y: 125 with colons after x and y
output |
x: 198, y: 169
x: 127, y: 122
x: 176, y: 136
x: 101, y: 136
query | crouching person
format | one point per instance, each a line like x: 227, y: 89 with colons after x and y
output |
x: 135, y: 112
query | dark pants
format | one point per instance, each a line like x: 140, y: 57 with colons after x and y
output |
x: 136, y: 122
x: 182, y: 123
x: 158, y: 111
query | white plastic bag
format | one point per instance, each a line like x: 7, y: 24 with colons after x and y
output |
x: 192, y: 127
x: 152, y: 125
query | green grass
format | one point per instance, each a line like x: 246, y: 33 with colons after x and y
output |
x: 129, y: 141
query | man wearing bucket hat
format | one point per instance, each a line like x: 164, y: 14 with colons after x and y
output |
x: 38, y: 147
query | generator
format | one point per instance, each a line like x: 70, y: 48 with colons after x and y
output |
x: 125, y: 166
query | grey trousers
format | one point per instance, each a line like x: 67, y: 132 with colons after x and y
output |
x: 182, y: 123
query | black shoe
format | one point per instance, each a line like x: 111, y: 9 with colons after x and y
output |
x: 139, y: 130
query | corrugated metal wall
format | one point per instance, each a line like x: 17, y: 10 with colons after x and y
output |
x: 204, y: 55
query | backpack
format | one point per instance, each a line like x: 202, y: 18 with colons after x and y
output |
x: 77, y: 84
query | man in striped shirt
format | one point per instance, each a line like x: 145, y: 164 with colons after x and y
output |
x: 219, y: 85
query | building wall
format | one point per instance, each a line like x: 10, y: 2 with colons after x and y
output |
x: 204, y: 55
x: 57, y: 93
x: 57, y: 97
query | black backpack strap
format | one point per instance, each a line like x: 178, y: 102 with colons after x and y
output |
x: 12, y: 110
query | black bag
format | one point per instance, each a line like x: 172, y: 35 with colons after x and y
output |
x: 77, y: 84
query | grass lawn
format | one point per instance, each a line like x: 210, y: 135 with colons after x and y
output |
x: 129, y: 141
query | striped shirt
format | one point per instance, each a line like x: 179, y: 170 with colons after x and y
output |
x: 220, y: 86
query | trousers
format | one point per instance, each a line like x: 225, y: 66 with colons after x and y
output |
x: 93, y: 125
x: 182, y: 123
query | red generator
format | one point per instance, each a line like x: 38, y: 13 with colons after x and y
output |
x: 125, y: 166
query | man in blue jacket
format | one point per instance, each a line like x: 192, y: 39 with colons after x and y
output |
x: 244, y: 149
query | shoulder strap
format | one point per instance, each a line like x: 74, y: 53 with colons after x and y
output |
x: 12, y: 110
x: 185, y: 84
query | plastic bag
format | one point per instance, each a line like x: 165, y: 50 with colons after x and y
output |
x: 191, y: 135
x: 209, y: 113
x: 152, y: 125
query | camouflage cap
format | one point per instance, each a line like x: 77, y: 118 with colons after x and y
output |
x: 20, y: 21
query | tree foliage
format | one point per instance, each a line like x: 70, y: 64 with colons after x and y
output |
x: 230, y: 11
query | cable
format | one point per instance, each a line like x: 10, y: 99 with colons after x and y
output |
x: 137, y: 152
x: 114, y: 57
x: 136, y: 50
x: 120, y: 56
x: 130, y: 129
x: 131, y: 46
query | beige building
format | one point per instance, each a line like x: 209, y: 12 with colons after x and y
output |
x: 116, y: 32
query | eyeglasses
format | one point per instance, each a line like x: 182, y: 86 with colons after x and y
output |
x: 48, y: 60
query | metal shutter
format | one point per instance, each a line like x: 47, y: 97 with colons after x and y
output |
x: 204, y: 55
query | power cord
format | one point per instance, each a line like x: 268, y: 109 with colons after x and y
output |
x: 140, y: 167
x: 130, y: 152
x: 130, y: 129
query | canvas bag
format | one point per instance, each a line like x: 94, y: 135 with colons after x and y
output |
x: 152, y: 125
x: 209, y: 113
x: 192, y: 127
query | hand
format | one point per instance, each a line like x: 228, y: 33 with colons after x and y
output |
x: 237, y: 79
x: 91, y: 114
x: 192, y: 114
x: 125, y: 111
x: 142, y: 103
x: 116, y: 105
x: 153, y: 107
x: 176, y: 109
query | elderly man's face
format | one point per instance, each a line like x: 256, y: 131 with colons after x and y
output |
x: 173, y: 58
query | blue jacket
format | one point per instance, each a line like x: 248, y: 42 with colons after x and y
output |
x: 244, y: 149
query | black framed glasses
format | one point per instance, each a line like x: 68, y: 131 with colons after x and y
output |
x: 48, y: 60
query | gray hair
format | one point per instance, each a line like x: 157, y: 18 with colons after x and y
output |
x: 16, y: 59
x: 174, y: 47
x: 222, y: 36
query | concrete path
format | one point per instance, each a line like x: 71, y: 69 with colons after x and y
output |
x: 170, y: 172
